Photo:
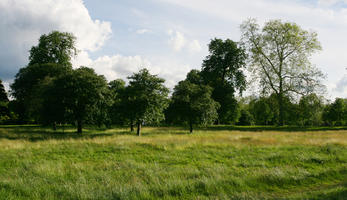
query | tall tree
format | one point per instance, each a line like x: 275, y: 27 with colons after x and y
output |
x: 56, y: 47
x: 223, y: 71
x: 262, y: 111
x: 28, y: 85
x: 192, y: 103
x: 118, y: 110
x: 336, y: 112
x: 279, y: 54
x: 3, y: 94
x: 80, y: 96
x: 310, y: 110
x: 148, y: 98
x: 4, y: 112
x: 47, y: 60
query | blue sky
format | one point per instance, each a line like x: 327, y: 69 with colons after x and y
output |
x: 170, y: 37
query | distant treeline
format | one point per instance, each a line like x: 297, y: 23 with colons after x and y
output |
x: 49, y: 91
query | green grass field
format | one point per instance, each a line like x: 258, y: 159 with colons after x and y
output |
x: 167, y: 163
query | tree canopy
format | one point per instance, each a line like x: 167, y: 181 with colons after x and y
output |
x: 148, y: 97
x: 3, y: 94
x: 279, y: 55
x: 192, y: 103
x: 222, y: 69
x: 49, y: 90
x: 55, y: 47
x: 336, y: 112
x: 48, y: 60
x: 28, y: 85
x: 310, y: 109
x: 78, y: 97
x: 4, y: 112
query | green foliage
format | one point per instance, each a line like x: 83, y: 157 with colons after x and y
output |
x: 4, y: 111
x: 3, y: 94
x: 265, y: 111
x: 336, y: 112
x: 194, y: 77
x: 118, y: 109
x: 310, y: 110
x: 192, y: 103
x: 224, y: 64
x: 147, y: 98
x: 222, y: 70
x: 56, y: 47
x: 80, y: 96
x: 29, y: 85
x: 279, y: 55
x: 48, y: 60
x: 262, y: 111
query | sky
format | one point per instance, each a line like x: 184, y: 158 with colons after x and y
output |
x: 169, y: 37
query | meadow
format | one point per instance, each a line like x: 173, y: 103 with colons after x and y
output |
x: 219, y: 162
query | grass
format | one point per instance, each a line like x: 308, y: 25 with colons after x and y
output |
x: 219, y: 162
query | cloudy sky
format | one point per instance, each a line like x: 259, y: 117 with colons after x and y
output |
x: 170, y: 37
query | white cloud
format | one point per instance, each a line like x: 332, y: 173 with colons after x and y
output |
x: 330, y: 22
x: 177, y: 40
x: 82, y: 59
x: 22, y: 23
x: 195, y: 46
x: 143, y: 31
x: 330, y: 2
x: 119, y: 66
x: 341, y: 85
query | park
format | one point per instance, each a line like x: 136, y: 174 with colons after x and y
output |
x: 218, y: 162
x: 253, y: 121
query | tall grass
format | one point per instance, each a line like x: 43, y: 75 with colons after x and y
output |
x: 169, y: 163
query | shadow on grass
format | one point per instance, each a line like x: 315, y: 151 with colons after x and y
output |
x: 174, y: 130
x: 39, y: 133
x: 269, y: 128
x: 336, y: 195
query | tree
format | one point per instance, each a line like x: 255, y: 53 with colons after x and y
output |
x: 56, y: 47
x: 126, y: 107
x: 310, y: 108
x: 147, y: 97
x: 3, y: 94
x: 4, y: 111
x: 279, y: 55
x: 336, y: 112
x: 49, y: 59
x: 28, y: 85
x: 245, y: 118
x: 193, y: 104
x: 262, y: 111
x: 79, y: 95
x: 118, y: 110
x: 223, y: 71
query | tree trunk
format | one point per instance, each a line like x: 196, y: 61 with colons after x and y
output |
x: 281, y: 109
x: 79, y: 126
x: 138, y: 128
x: 131, y: 125
x: 190, y: 127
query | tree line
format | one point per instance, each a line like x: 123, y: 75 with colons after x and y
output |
x: 49, y: 91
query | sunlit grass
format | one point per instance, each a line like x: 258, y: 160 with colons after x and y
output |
x: 167, y: 162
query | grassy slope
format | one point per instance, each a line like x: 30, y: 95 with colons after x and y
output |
x: 216, y: 163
